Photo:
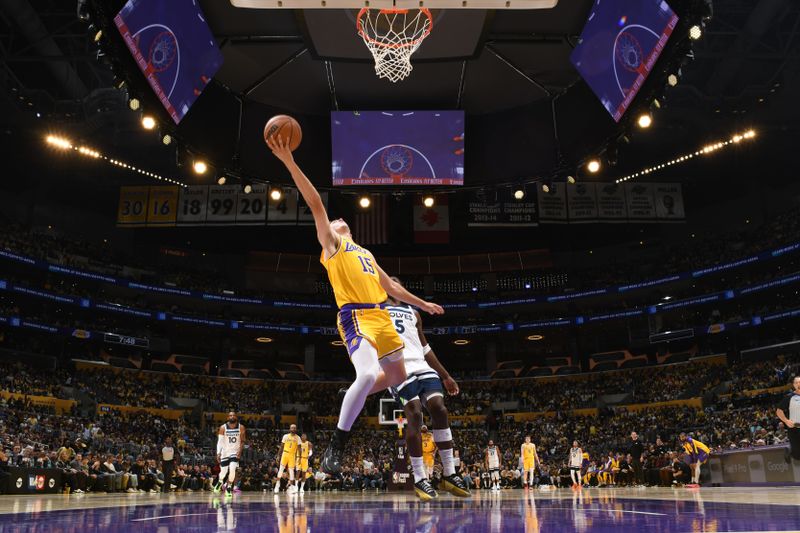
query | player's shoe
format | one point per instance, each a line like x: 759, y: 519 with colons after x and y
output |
x: 455, y: 486
x: 332, y: 460
x: 424, y: 490
x: 229, y: 493
x: 217, y: 487
x: 277, y: 488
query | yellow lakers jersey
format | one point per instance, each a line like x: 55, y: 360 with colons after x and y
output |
x: 528, y: 451
x: 693, y: 446
x: 428, y: 446
x: 353, y: 273
x: 290, y: 443
x: 304, y: 449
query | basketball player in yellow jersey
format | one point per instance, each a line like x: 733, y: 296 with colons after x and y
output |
x: 529, y: 460
x: 428, y: 450
x: 361, y: 288
x: 288, y: 454
x: 303, y: 453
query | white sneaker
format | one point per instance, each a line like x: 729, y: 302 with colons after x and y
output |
x: 77, y: 491
x: 277, y: 488
x: 292, y: 489
x: 302, y: 490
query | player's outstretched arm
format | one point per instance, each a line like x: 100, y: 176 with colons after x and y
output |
x: 449, y: 383
x: 326, y: 236
x: 398, y: 292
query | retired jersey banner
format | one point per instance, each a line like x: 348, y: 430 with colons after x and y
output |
x: 132, y: 210
x: 162, y: 206
x: 669, y: 201
x: 582, y: 202
x: 553, y: 204
x: 432, y: 224
x: 222, y: 204
x: 502, y: 211
x: 192, y: 205
x: 251, y: 208
x: 641, y: 201
x: 611, y: 205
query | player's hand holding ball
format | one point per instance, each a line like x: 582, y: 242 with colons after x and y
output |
x: 281, y: 150
x: 432, y: 308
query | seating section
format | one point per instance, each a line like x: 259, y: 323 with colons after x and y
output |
x: 604, y: 361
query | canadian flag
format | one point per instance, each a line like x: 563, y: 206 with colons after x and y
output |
x: 432, y: 224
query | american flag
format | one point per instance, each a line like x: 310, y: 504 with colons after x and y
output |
x: 371, y: 226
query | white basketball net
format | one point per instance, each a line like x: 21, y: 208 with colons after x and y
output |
x: 392, y: 35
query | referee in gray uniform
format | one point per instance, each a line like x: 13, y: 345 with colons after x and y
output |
x: 789, y: 413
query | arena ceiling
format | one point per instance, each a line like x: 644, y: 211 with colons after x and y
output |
x: 505, y: 69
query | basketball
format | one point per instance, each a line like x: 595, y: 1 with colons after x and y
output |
x: 286, y: 127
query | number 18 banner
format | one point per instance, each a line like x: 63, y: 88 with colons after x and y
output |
x: 192, y: 205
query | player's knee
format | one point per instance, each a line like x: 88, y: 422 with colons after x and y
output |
x: 438, y: 412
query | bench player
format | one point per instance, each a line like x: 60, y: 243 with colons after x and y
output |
x: 230, y: 442
x: 288, y: 454
x: 305, y: 451
x: 427, y: 379
x: 360, y: 287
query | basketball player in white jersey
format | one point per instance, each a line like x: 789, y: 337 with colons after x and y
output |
x: 230, y: 442
x: 493, y: 464
x: 575, y: 464
x: 424, y: 386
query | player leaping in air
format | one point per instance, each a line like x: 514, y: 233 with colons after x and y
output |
x: 360, y: 287
x: 230, y: 441
x: 424, y: 386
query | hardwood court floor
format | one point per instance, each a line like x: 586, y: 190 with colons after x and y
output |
x: 621, y: 510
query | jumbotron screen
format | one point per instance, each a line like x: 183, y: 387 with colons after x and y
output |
x: 174, y: 48
x: 398, y: 147
x: 618, y: 47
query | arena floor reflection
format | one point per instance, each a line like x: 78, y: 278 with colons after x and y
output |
x: 763, y: 509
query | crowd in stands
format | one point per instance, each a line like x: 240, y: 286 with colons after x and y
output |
x: 116, y: 451
x: 686, y: 256
x: 639, y: 385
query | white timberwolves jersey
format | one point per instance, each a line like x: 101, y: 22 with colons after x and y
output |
x: 405, y: 322
x: 575, y: 457
x: 230, y: 441
x: 494, y: 460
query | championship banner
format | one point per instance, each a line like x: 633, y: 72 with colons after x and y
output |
x: 669, y: 201
x: 641, y: 201
x: 504, y: 211
x: 582, y: 202
x: 611, y: 205
x: 553, y: 204
x: 432, y: 224
x: 132, y: 210
x: 162, y: 206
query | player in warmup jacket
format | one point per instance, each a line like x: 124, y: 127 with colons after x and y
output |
x: 493, y: 464
x: 424, y: 386
x: 575, y: 464
x: 529, y: 459
x: 230, y: 442
x: 304, y: 451
x: 698, y: 455
x: 788, y: 412
x: 360, y: 287
x: 290, y: 444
